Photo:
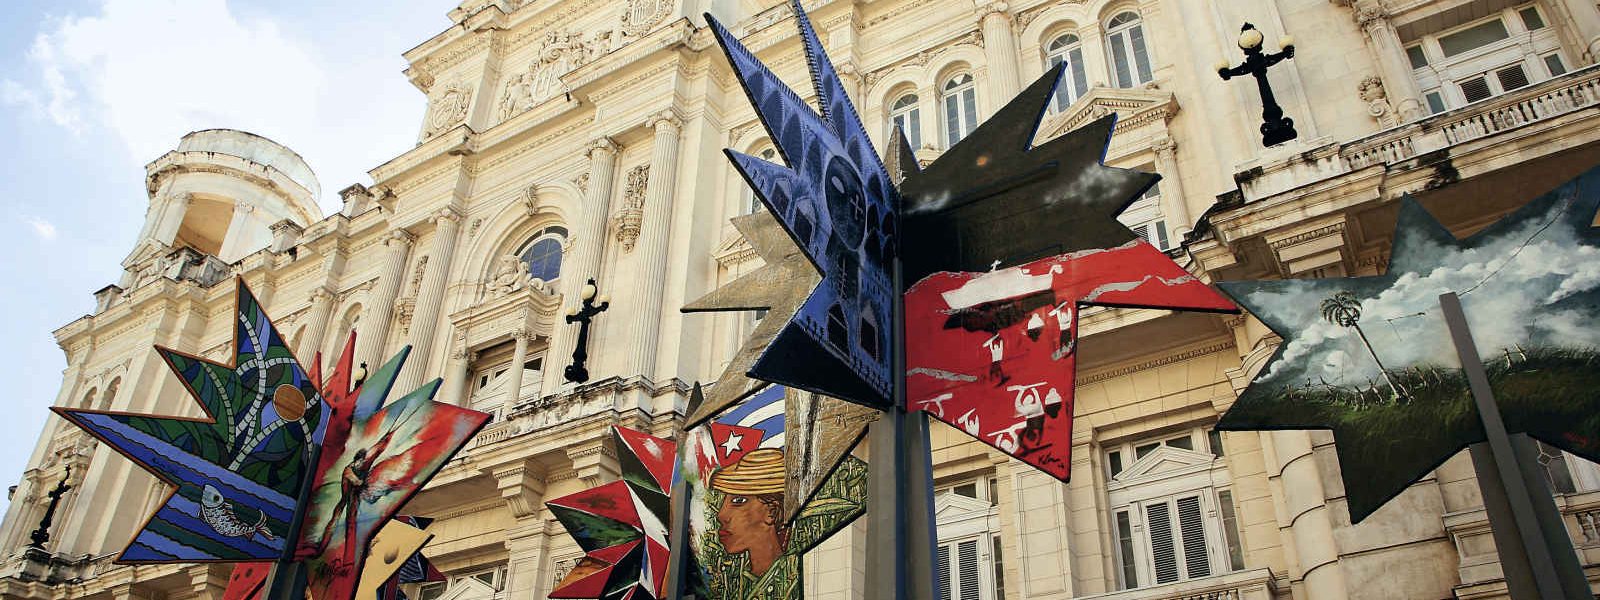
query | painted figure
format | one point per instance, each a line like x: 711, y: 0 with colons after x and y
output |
x: 1064, y: 319
x: 751, y: 513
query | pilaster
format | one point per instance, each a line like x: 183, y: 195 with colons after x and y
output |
x: 655, y: 235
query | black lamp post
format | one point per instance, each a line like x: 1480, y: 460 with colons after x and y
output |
x: 42, y: 534
x: 592, y: 306
x: 1275, y: 127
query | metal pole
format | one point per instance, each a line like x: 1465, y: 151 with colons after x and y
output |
x: 678, y: 550
x: 287, y: 580
x: 1507, y: 480
x: 900, y: 523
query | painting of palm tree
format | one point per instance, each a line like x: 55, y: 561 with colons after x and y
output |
x: 1344, y: 310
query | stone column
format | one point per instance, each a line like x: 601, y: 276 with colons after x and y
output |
x: 234, y: 238
x: 522, y: 487
x: 373, y: 341
x: 1586, y: 20
x: 425, y: 317
x: 1393, y: 66
x: 653, y: 246
x: 583, y: 261
x: 171, y: 218
x: 1173, y: 203
x: 1304, y: 505
x: 458, y: 376
x: 519, y: 356
x: 321, y: 309
x: 1000, y: 49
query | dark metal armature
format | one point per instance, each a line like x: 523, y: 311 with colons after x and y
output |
x: 1275, y: 127
x: 592, y: 306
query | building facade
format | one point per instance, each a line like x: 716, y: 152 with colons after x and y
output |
x: 574, y: 139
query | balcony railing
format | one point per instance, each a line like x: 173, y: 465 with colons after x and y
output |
x: 1255, y: 584
x: 1547, y: 100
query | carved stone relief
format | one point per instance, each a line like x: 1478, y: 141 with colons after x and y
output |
x: 1378, y: 107
x: 639, y: 16
x: 627, y: 221
x: 562, y: 52
x: 449, y: 109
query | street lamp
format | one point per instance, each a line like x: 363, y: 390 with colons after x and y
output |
x: 583, y: 315
x: 1275, y: 127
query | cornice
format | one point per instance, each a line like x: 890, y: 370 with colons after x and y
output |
x: 1168, y: 359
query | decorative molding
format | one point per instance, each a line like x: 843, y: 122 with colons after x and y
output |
x: 628, y: 220
x: 448, y: 109
x: 1371, y: 91
x: 640, y: 16
x: 1151, y: 364
x: 1306, y: 236
x: 563, y: 51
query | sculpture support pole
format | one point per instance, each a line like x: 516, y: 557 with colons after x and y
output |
x: 900, y: 527
x: 1537, y: 562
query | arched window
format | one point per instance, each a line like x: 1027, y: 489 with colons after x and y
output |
x: 905, y: 114
x: 1074, y: 82
x: 960, y: 108
x: 751, y: 203
x: 88, y: 398
x: 1130, y: 60
x: 542, y: 253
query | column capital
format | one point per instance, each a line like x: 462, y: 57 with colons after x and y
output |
x: 321, y: 293
x: 604, y: 146
x: 1164, y: 146
x: 1369, y: 13
x: 398, y: 238
x: 997, y: 8
x: 521, y: 334
x: 445, y: 215
x: 666, y: 121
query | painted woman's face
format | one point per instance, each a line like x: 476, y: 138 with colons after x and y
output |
x: 744, y: 522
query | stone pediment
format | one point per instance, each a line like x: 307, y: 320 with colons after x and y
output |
x: 1165, y: 461
x: 733, y: 250
x: 1135, y: 107
x: 951, y: 506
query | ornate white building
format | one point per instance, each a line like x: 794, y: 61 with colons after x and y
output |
x: 569, y: 139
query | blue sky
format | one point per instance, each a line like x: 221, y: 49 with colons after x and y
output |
x: 92, y: 90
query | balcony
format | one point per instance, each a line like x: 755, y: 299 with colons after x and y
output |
x: 1255, y: 584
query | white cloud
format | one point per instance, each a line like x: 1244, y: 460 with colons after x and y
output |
x: 42, y: 228
x: 1509, y: 292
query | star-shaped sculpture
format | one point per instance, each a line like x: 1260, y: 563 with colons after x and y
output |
x: 621, y: 526
x: 397, y: 539
x: 236, y: 471
x: 1371, y: 359
x: 373, y: 460
x: 1005, y: 241
x: 780, y: 286
x: 835, y: 200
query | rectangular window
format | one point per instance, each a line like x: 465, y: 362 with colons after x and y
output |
x: 1476, y: 89
x: 1554, y: 64
x: 1114, y: 462
x: 910, y: 123
x: 1530, y: 18
x: 967, y: 567
x: 1130, y: 571
x: 969, y: 104
x: 1418, y: 58
x: 1230, y: 529
x: 1143, y: 449
x: 1511, y: 78
x: 1119, y: 57
x: 941, y: 578
x: 431, y: 591
x: 952, y: 121
x: 1474, y: 37
x: 1141, y: 56
x: 969, y: 490
x: 1435, y: 102
x: 1191, y: 526
x: 1214, y: 438
x: 1185, y: 442
x: 1163, y: 549
x: 994, y: 492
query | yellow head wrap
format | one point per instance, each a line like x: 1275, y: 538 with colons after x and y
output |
x: 757, y: 473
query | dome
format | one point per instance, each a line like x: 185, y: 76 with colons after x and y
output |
x: 256, y: 149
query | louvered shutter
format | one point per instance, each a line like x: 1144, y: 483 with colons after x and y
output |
x: 967, y: 567
x: 1162, y: 552
x: 941, y: 579
x: 1511, y: 78
x: 1192, y: 527
x: 1476, y: 89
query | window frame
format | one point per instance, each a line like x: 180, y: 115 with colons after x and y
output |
x: 1202, y: 475
x: 1147, y: 219
x: 958, y: 94
x: 1074, y: 82
x: 1526, y: 48
x: 556, y: 233
x: 964, y: 519
x: 1122, y: 36
x: 911, y: 113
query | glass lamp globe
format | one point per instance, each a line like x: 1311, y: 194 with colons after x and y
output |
x: 1250, y: 39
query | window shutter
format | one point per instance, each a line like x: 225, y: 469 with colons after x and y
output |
x: 1162, y: 552
x: 1511, y: 77
x: 1141, y: 56
x: 1476, y: 89
x: 967, y: 555
x: 1190, y: 523
x: 941, y: 579
x: 1119, y: 59
x: 1143, y: 231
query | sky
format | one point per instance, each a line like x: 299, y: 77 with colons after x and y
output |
x: 92, y: 90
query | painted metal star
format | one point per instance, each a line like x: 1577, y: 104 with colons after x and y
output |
x: 835, y: 200
x: 622, y: 526
x: 1370, y: 357
x: 236, y: 471
x: 1004, y: 242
